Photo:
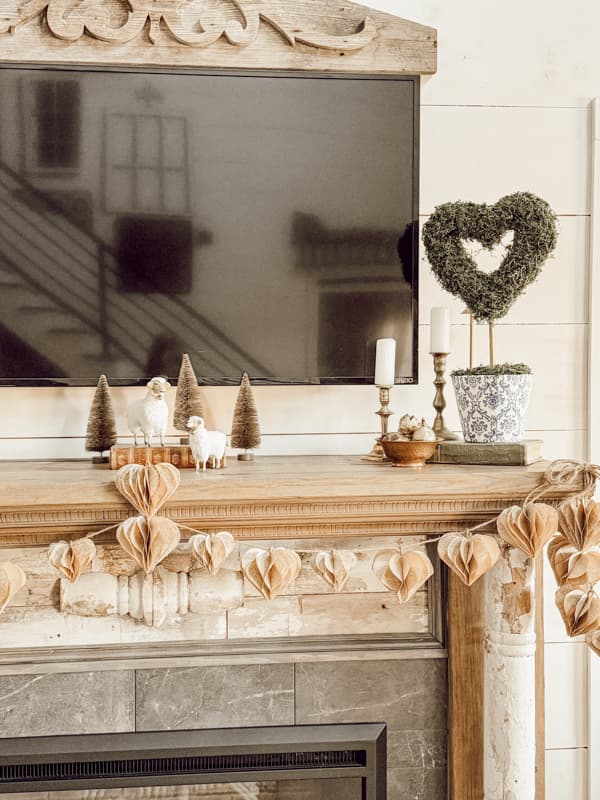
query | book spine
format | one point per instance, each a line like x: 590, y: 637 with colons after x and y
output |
x: 179, y: 456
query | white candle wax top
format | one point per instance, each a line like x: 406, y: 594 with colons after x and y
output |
x: 385, y: 362
x: 440, y: 330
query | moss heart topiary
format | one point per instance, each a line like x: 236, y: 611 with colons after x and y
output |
x: 490, y: 296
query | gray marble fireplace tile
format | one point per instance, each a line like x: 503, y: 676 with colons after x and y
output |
x: 417, y: 784
x: 423, y: 750
x: 406, y: 694
x: 215, y: 697
x: 79, y: 702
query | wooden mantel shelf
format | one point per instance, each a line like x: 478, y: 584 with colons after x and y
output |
x: 273, y: 497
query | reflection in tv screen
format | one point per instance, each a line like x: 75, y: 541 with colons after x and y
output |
x: 259, y: 223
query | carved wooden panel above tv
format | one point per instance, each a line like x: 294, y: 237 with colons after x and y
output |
x: 238, y: 34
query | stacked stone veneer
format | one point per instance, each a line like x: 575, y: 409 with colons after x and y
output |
x: 408, y: 695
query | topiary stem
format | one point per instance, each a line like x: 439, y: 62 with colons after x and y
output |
x: 471, y: 339
x: 491, y: 337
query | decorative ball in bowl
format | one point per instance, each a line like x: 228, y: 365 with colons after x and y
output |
x: 408, y: 453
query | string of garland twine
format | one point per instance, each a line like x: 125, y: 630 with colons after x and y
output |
x: 400, y: 546
x: 356, y: 550
x: 561, y: 474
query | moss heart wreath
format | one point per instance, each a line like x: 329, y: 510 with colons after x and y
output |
x: 490, y: 296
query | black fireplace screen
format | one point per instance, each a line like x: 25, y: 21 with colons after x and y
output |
x: 305, y: 762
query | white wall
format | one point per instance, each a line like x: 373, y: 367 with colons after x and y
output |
x: 508, y: 110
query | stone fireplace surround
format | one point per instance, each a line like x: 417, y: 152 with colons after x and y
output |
x: 409, y: 695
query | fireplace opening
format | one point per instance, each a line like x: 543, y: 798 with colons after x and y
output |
x: 303, y: 762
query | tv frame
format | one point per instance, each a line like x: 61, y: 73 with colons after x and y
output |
x: 258, y: 380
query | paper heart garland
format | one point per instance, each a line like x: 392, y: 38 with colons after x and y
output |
x: 579, y: 522
x: 583, y: 569
x: 528, y: 528
x: 403, y: 573
x: 469, y: 557
x: 593, y: 641
x: 212, y: 549
x: 147, y: 487
x: 580, y: 609
x: 559, y: 561
x: 572, y: 566
x: 334, y: 567
x: 271, y: 571
x: 12, y: 579
x: 72, y: 558
x: 148, y: 541
x: 489, y: 296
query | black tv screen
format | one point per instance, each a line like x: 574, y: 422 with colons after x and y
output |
x: 265, y: 223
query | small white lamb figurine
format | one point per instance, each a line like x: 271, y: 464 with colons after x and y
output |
x: 150, y: 415
x: 205, y: 444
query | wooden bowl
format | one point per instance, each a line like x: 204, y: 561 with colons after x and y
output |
x: 408, y: 454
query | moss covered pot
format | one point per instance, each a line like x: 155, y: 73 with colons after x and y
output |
x: 492, y: 408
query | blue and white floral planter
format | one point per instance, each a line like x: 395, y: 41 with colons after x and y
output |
x: 492, y: 408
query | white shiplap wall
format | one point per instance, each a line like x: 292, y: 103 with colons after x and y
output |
x: 508, y: 110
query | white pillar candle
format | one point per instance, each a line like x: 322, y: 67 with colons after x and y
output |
x: 385, y: 362
x: 440, y: 330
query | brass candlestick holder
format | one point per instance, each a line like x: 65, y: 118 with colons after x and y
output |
x: 439, y: 401
x: 384, y: 414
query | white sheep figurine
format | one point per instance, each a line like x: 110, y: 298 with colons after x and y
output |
x: 150, y: 415
x: 205, y: 444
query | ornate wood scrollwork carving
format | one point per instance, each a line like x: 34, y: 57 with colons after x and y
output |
x: 237, y: 22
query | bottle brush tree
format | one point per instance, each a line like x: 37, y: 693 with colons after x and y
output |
x: 245, y: 430
x: 187, y: 398
x: 101, y: 431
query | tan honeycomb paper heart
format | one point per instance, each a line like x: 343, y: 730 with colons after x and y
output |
x: 579, y: 522
x: 271, y: 571
x: 583, y: 569
x: 558, y: 556
x: 469, y: 557
x: 402, y: 573
x: 212, y: 549
x: 571, y: 566
x: 12, y: 579
x: 72, y: 558
x: 147, y: 486
x: 593, y: 641
x: 148, y: 541
x: 528, y: 528
x: 334, y: 566
x: 580, y: 609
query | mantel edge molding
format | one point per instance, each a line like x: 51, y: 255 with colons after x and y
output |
x: 260, y: 519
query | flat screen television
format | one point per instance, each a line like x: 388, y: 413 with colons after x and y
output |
x: 259, y: 222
